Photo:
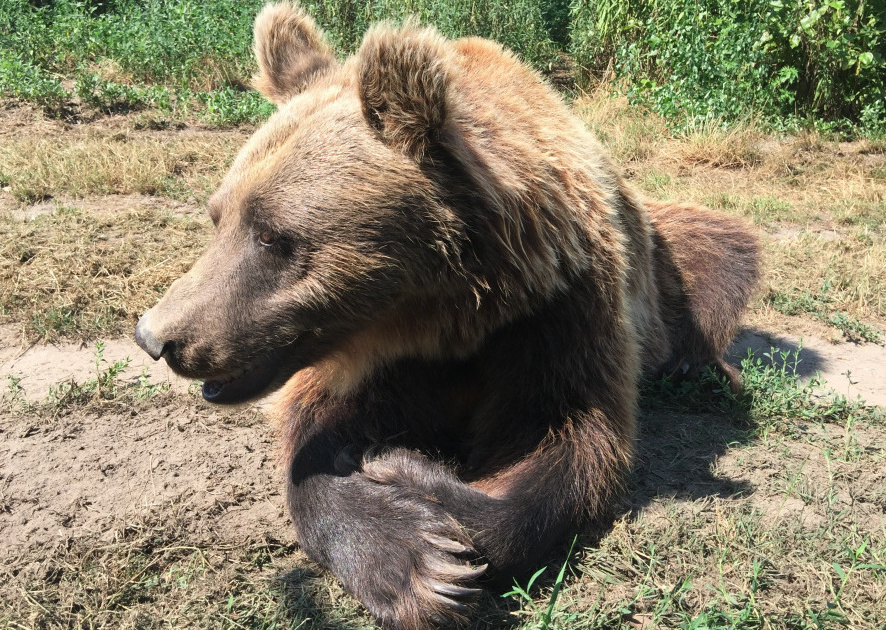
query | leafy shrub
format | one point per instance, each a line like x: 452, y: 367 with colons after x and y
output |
x: 19, y: 79
x: 694, y: 59
x: 167, y: 52
x: 522, y: 25
x: 186, y: 42
x: 109, y: 96
x: 233, y: 107
x: 208, y: 45
x: 823, y: 60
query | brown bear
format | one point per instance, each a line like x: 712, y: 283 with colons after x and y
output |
x: 456, y: 292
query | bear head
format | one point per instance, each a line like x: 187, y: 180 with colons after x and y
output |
x: 367, y: 220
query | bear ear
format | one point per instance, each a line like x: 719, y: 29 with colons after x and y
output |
x: 291, y: 51
x: 403, y: 81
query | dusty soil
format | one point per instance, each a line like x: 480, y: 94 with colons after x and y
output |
x: 90, y: 474
x: 87, y: 473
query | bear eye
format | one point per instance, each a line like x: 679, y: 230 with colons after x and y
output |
x: 267, y: 238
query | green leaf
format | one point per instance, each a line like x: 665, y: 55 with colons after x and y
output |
x: 535, y: 577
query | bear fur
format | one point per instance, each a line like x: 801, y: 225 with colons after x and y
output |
x: 456, y: 292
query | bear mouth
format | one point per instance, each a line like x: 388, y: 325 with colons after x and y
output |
x: 246, y: 383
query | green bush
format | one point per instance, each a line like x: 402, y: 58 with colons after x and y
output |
x: 694, y: 59
x: 233, y: 107
x: 782, y: 60
x: 522, y: 25
x: 201, y: 45
x: 110, y: 97
x: 182, y: 42
x: 30, y: 83
x: 130, y: 54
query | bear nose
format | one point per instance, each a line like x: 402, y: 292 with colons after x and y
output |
x: 146, y: 339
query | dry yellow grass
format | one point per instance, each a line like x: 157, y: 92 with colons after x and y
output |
x: 630, y: 134
x: 88, y: 273
x: 852, y: 265
x: 102, y: 162
x: 633, y: 134
x: 820, y: 204
x: 712, y: 143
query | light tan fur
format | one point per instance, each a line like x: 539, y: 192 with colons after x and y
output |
x: 290, y: 50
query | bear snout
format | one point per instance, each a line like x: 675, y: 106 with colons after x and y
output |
x: 146, y: 339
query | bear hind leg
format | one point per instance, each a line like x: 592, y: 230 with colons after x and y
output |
x: 707, y: 267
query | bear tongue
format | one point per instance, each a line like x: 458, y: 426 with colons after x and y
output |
x: 249, y: 384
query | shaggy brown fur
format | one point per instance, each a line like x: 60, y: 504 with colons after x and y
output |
x: 707, y: 266
x: 457, y: 293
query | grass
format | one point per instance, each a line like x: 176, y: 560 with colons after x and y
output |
x: 90, y: 273
x: 100, y: 162
x: 758, y: 511
x: 109, y: 386
x: 92, y: 94
x: 630, y: 133
x: 209, y: 583
x: 820, y: 204
x: 823, y: 218
x: 852, y: 267
x: 818, y: 306
x: 543, y: 616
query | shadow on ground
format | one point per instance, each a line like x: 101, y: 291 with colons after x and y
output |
x: 307, y: 602
x: 676, y: 450
x: 681, y: 438
x: 761, y: 343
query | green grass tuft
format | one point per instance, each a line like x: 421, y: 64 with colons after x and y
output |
x: 818, y: 306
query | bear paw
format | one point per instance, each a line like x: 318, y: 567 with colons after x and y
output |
x: 422, y: 575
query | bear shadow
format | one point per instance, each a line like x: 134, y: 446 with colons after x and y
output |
x: 677, y: 447
x: 682, y: 432
x: 781, y: 352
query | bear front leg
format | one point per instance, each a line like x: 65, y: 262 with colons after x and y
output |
x: 394, y: 548
x: 516, y: 516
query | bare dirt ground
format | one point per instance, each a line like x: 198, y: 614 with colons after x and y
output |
x: 89, y: 474
x: 85, y: 488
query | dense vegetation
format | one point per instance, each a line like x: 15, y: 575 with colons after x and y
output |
x: 813, y: 59
x: 787, y: 62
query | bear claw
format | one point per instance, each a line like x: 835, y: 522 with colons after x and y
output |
x: 452, y: 590
x: 445, y: 544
